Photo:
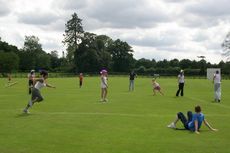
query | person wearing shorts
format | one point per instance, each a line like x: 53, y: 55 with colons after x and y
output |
x: 156, y: 87
x: 193, y: 122
x: 35, y: 92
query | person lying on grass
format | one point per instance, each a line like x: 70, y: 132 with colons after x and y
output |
x: 194, y: 121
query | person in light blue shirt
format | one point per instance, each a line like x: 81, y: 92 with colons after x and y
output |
x: 193, y: 122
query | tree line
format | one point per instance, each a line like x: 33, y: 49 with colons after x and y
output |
x: 89, y: 53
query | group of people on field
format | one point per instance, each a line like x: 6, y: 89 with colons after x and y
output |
x: 193, y: 121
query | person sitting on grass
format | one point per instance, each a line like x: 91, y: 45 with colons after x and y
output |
x: 156, y: 87
x: 194, y: 121
x: 36, y: 95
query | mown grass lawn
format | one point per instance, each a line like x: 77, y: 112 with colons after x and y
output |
x: 73, y: 120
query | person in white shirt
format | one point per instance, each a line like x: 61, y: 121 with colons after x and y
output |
x: 217, y: 86
x: 104, y: 85
x: 36, y: 94
x: 180, y: 84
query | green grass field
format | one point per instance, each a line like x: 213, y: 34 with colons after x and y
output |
x: 73, y: 120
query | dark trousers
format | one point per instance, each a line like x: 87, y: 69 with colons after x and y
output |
x: 184, y: 120
x: 30, y: 85
x: 180, y: 90
x: 80, y: 83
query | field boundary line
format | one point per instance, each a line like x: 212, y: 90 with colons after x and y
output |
x: 122, y: 114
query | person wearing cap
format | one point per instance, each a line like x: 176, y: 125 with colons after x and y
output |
x: 104, y: 85
x: 217, y: 86
x: 35, y: 92
x: 180, y: 84
x: 31, y: 77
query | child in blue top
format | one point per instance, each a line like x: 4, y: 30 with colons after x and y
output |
x: 194, y: 121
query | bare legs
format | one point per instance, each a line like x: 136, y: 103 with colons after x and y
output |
x: 104, y: 92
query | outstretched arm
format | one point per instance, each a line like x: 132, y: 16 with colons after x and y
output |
x: 196, y: 127
x: 209, y: 126
x: 50, y: 86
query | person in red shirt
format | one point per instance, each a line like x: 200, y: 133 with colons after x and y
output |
x: 80, y: 80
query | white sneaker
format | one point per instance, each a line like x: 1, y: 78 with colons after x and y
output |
x: 172, y: 125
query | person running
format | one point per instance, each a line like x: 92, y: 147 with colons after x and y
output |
x: 217, y: 86
x: 193, y: 122
x: 132, y: 76
x: 31, y: 77
x: 156, y: 87
x: 180, y: 84
x: 80, y: 79
x: 104, y: 85
x: 36, y: 94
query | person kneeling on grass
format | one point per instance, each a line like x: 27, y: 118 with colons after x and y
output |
x: 194, y: 121
x: 36, y: 95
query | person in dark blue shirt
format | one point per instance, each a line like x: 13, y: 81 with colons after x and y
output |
x: 193, y: 122
x: 132, y: 76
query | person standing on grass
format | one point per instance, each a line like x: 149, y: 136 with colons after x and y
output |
x: 180, y: 84
x: 80, y: 79
x: 36, y: 94
x: 217, y: 86
x: 31, y: 77
x: 9, y: 77
x: 194, y: 121
x: 156, y: 87
x: 132, y: 76
x: 104, y: 85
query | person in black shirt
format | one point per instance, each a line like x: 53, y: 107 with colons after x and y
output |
x: 132, y: 76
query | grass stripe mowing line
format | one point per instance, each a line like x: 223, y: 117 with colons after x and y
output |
x: 120, y: 114
x: 216, y: 104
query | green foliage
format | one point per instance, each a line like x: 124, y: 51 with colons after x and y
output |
x: 32, y: 55
x: 4, y: 46
x: 226, y: 46
x: 73, y: 35
x: 9, y: 62
x: 122, y: 56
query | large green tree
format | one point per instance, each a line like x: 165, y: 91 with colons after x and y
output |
x: 122, y: 56
x: 226, y: 46
x: 73, y: 35
x: 32, y: 55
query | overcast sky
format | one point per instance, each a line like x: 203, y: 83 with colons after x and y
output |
x: 159, y: 29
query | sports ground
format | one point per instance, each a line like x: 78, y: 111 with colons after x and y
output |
x: 73, y: 120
